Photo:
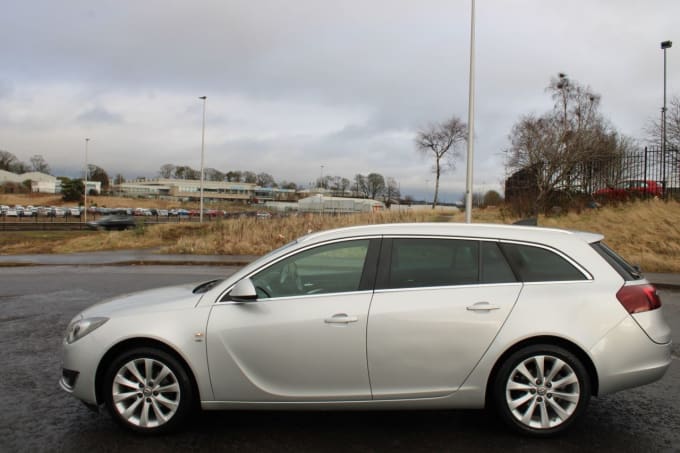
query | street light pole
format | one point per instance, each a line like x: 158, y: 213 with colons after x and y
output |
x: 202, y: 156
x: 87, y: 170
x: 664, y: 45
x: 471, y: 120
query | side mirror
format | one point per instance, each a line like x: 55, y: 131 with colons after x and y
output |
x: 243, y: 291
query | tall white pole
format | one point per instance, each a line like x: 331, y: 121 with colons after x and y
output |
x: 87, y: 170
x: 664, y: 45
x: 202, y: 156
x: 471, y: 120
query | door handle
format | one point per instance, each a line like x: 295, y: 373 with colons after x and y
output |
x: 483, y: 306
x: 341, y: 318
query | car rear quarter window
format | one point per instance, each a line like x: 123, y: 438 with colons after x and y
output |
x: 536, y: 264
x: 626, y: 270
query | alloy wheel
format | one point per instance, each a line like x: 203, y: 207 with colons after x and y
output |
x: 146, y: 393
x: 542, y: 392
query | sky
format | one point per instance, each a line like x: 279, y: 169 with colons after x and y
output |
x: 300, y: 88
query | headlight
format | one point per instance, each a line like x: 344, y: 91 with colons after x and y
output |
x: 81, y: 327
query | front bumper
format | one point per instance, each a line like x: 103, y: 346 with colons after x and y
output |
x: 79, y: 369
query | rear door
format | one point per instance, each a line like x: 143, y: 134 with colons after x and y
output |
x: 438, y: 305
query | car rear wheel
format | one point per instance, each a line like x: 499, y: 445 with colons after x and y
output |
x: 148, y: 390
x: 541, y: 390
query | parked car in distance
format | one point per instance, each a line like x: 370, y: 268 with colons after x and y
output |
x: 631, y: 188
x: 162, y: 213
x: 529, y: 321
x: 113, y: 222
x: 142, y: 212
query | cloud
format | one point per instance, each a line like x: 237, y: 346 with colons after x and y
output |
x: 295, y: 85
x: 100, y: 115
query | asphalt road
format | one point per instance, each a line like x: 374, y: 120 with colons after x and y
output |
x: 36, y: 303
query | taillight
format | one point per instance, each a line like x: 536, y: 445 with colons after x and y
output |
x: 639, y: 298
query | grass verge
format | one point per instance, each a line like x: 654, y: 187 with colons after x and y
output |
x: 645, y: 233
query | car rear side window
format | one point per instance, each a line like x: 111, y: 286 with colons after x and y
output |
x: 536, y: 264
x: 433, y: 262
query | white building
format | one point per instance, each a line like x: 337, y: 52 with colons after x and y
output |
x: 40, y: 182
x: 191, y: 189
x: 321, y: 204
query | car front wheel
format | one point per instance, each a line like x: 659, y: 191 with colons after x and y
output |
x: 541, y: 390
x: 148, y: 390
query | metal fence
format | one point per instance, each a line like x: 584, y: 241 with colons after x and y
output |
x: 651, y: 166
x: 649, y: 172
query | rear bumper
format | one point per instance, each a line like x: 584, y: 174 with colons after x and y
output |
x: 626, y: 357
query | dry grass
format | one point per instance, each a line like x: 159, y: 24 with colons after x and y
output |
x: 35, y: 199
x: 645, y: 233
x: 30, y: 242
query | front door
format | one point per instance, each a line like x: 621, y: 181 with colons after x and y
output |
x: 304, y: 339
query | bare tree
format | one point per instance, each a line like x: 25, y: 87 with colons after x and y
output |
x: 441, y: 141
x: 375, y: 184
x: 39, y: 164
x: 167, y: 171
x: 653, y: 129
x: 212, y: 174
x: 265, y: 180
x: 392, y: 192
x: 361, y: 186
x: 186, y: 172
x: 234, y: 176
x: 96, y: 173
x: 653, y: 132
x: 7, y: 160
x: 249, y: 177
x: 563, y: 148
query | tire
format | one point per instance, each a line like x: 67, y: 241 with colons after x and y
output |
x: 139, y: 403
x: 541, y: 390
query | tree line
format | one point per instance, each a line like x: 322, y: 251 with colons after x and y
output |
x: 372, y: 185
x: 558, y: 152
x: 10, y: 162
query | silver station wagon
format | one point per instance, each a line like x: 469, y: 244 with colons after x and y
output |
x: 528, y: 321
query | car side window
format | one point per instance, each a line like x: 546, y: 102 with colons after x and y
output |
x: 332, y: 268
x: 536, y: 264
x: 494, y: 266
x: 433, y: 262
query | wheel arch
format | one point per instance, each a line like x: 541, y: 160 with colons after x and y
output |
x: 545, y: 339
x: 132, y: 343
